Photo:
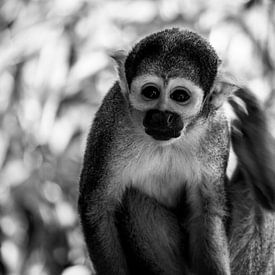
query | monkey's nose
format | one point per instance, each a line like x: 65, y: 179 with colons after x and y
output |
x: 156, y: 118
x: 163, y: 120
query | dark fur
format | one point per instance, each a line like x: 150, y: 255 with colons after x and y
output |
x: 97, y: 211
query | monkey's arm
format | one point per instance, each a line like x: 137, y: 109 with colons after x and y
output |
x: 101, y: 235
x: 152, y: 238
x: 96, y: 206
x: 254, y: 148
x: 207, y: 237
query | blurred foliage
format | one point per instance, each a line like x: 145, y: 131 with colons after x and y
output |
x: 54, y: 70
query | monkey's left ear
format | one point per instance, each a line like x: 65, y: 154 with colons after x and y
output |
x: 119, y: 57
x: 224, y: 87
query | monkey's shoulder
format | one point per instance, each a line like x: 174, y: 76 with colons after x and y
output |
x: 111, y: 110
x: 102, y: 134
x: 109, y: 115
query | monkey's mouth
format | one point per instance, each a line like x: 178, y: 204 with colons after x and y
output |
x: 160, y: 134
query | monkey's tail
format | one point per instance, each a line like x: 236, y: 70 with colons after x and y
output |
x: 254, y: 147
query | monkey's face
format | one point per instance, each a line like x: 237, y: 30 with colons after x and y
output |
x: 164, y: 107
x: 167, y: 76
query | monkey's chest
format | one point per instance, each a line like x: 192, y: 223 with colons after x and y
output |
x: 161, y: 174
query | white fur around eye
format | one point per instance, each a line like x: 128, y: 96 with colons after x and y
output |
x: 193, y: 106
x: 164, y: 102
x: 136, y: 98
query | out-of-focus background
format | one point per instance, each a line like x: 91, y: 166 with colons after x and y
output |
x: 55, y: 69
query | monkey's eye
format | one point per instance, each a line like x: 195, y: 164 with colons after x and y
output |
x: 180, y: 95
x: 150, y: 92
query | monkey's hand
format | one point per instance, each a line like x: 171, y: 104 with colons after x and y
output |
x: 254, y: 148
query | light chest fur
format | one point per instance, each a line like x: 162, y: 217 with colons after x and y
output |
x: 162, y: 170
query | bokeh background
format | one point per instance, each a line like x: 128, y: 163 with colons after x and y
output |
x: 55, y: 69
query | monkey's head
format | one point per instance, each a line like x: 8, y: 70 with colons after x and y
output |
x: 168, y: 78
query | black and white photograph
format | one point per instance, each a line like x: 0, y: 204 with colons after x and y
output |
x: 137, y: 137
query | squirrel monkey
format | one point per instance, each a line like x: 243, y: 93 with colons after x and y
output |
x: 154, y: 195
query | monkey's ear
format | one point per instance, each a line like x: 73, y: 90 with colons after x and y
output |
x: 223, y: 88
x: 119, y: 57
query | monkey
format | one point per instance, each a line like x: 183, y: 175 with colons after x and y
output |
x: 154, y: 194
